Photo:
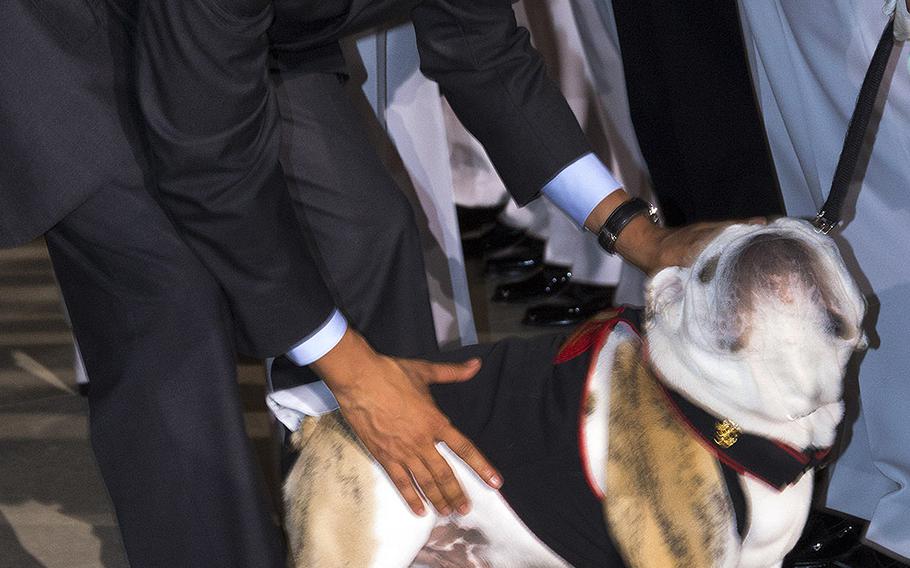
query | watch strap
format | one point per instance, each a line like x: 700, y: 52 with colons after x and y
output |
x: 619, y: 218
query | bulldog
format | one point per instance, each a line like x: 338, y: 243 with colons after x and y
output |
x: 687, y: 440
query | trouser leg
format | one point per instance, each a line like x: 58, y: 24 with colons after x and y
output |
x: 360, y: 224
x: 165, y: 416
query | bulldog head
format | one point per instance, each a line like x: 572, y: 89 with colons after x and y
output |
x: 759, y: 329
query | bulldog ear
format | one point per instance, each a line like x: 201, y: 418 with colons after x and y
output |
x: 664, y: 290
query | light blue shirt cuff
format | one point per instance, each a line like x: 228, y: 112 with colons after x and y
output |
x: 578, y: 188
x: 320, y: 342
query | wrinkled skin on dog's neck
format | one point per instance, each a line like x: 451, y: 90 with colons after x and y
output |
x: 759, y: 330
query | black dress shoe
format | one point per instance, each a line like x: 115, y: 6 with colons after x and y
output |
x: 498, y: 236
x: 826, y: 539
x: 474, y: 219
x: 521, y: 258
x: 576, y: 303
x: 544, y: 283
x: 867, y: 557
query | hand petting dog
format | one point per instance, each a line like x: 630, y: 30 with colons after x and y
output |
x: 387, y: 402
x: 692, y: 443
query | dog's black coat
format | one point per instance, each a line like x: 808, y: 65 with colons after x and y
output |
x: 522, y: 411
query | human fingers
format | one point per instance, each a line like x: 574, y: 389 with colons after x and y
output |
x: 441, y: 373
x: 468, y: 452
x: 680, y: 246
x: 406, y: 487
x: 443, y: 499
x: 446, y: 481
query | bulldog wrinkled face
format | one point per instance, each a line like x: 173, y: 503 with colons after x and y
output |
x: 767, y: 314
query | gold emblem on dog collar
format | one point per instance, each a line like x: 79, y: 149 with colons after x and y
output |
x: 726, y: 433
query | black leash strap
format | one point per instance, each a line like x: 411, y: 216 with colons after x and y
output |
x: 829, y: 216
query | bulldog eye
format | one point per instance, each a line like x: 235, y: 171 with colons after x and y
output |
x: 706, y: 274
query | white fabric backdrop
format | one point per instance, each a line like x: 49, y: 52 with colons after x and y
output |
x: 413, y: 119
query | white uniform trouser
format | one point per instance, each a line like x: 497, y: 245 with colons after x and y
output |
x: 808, y: 59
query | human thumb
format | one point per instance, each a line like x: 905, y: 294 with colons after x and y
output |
x: 453, y: 372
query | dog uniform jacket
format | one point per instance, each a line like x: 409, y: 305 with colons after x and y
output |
x: 522, y: 412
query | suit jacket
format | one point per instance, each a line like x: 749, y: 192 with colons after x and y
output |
x: 52, y: 131
x: 484, y: 64
x: 73, y: 77
x: 305, y: 34
x: 212, y: 124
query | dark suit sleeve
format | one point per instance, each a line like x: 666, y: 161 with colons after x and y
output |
x: 213, y: 129
x: 498, y: 86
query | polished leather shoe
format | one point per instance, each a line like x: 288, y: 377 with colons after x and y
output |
x: 833, y: 541
x: 498, y: 236
x: 867, y: 557
x: 544, y: 283
x: 477, y: 219
x: 574, y: 304
x: 825, y: 539
x: 521, y: 258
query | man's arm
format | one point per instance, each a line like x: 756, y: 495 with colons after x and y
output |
x: 387, y: 401
x: 212, y: 125
x: 497, y: 85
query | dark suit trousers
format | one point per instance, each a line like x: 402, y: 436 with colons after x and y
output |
x: 360, y: 225
x: 156, y: 307
x: 166, y: 421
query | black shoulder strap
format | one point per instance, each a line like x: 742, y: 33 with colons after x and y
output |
x: 830, y: 213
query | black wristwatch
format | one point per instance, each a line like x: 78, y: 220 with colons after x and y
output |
x: 620, y: 217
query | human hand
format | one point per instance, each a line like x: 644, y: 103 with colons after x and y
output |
x: 387, y: 402
x: 652, y: 248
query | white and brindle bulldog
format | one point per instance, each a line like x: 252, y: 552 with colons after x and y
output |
x: 688, y: 445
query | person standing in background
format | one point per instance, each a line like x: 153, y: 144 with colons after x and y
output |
x: 808, y: 62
